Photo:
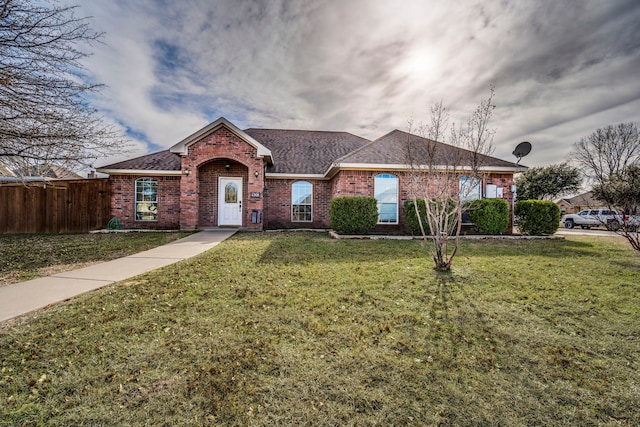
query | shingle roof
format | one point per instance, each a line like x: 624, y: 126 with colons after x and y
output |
x: 160, y: 161
x: 305, y: 151
x: 5, y: 171
x: 584, y: 199
x: 391, y: 149
x: 313, y: 152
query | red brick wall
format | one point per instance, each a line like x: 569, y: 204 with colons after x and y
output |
x: 277, y: 204
x: 345, y: 183
x: 199, y: 190
x: 361, y: 183
x: 353, y: 183
x: 123, y: 196
x: 224, y: 147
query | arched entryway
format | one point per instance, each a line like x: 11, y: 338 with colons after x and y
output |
x: 222, y: 191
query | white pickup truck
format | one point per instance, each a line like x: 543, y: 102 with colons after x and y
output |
x: 600, y: 217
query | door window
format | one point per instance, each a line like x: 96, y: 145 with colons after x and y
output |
x: 231, y: 193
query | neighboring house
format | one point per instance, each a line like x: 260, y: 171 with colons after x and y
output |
x: 53, y: 171
x: 36, y: 173
x: 577, y: 203
x: 258, y: 179
x: 5, y: 171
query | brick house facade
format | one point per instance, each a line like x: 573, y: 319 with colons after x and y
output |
x: 260, y: 179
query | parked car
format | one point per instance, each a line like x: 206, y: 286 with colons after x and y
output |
x: 600, y: 217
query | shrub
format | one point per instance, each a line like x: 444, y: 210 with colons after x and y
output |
x: 353, y: 215
x: 411, y: 220
x: 537, y: 217
x: 489, y: 216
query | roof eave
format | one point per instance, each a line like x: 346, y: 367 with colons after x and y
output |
x: 335, y: 167
x: 295, y: 175
x: 139, y: 172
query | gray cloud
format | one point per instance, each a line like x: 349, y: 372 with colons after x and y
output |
x: 561, y: 69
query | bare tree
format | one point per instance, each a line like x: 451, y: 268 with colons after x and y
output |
x: 45, y: 118
x: 608, y: 151
x: 610, y: 158
x: 446, y: 178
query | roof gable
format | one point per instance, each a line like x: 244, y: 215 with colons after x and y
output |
x: 183, y: 146
x: 584, y: 199
x: 5, y: 171
x: 390, y: 151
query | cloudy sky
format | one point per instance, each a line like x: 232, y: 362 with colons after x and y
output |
x: 561, y: 69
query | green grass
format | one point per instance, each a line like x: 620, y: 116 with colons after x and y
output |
x: 27, y: 256
x: 299, y: 329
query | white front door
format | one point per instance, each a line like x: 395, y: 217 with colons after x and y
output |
x: 230, y: 201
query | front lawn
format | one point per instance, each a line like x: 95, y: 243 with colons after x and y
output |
x: 299, y: 329
x: 27, y: 256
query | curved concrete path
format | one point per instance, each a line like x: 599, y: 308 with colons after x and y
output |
x: 25, y: 297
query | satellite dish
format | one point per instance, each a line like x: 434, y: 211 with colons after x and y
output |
x: 522, y: 150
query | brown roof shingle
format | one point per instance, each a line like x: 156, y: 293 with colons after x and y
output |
x: 305, y: 151
x: 313, y: 152
x: 391, y: 149
x: 160, y: 161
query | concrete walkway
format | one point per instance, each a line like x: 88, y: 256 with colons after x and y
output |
x: 25, y: 297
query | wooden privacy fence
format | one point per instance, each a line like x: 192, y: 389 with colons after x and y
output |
x: 55, y: 206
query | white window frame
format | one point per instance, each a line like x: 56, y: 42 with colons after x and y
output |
x: 469, y: 194
x: 308, y: 185
x: 141, y: 184
x: 469, y: 189
x: 386, y: 176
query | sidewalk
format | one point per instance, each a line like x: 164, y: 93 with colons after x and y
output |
x: 25, y: 297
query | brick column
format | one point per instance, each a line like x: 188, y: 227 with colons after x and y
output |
x: 188, y: 196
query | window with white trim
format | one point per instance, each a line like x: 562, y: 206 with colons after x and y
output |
x: 301, y: 201
x: 146, y: 199
x: 386, y: 193
x: 470, y: 188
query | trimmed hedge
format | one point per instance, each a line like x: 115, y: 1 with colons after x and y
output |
x: 537, y: 217
x: 353, y: 214
x: 489, y: 216
x: 411, y: 220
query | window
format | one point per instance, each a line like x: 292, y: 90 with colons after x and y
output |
x: 470, y: 188
x: 386, y: 193
x: 301, y: 201
x: 231, y: 193
x: 146, y: 199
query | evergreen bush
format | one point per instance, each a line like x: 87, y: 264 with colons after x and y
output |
x: 489, y: 216
x: 411, y: 220
x: 353, y: 214
x: 537, y: 217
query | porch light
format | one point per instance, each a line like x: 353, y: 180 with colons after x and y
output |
x: 227, y: 166
x: 187, y: 171
x: 256, y: 174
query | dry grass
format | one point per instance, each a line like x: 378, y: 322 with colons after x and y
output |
x: 27, y: 256
x: 298, y: 329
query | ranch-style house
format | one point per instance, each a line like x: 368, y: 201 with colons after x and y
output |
x: 262, y: 179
